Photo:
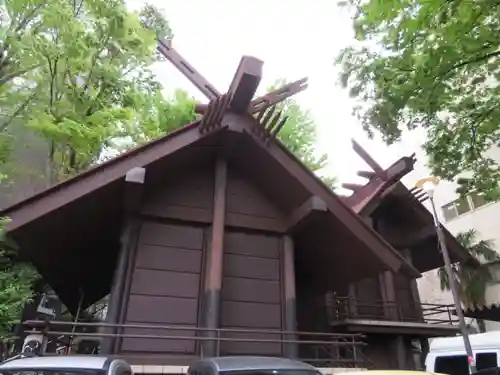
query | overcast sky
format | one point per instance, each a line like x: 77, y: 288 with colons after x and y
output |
x: 294, y: 39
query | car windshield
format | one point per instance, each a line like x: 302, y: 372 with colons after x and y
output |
x: 51, y: 372
x: 271, y: 372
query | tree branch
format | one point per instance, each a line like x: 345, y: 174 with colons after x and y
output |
x: 19, y: 109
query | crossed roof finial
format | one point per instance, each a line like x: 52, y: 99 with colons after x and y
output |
x: 238, y: 98
x: 379, y: 179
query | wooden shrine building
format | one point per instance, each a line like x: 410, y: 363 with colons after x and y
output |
x: 387, y: 307
x: 216, y: 240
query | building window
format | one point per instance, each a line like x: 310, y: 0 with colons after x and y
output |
x: 452, y: 365
x: 461, y: 206
x: 456, y: 208
x: 486, y: 361
x: 477, y: 200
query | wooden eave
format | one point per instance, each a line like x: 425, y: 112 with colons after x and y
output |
x: 484, y: 312
x: 414, y: 208
x: 86, y: 182
x: 384, y: 187
x: 97, y: 189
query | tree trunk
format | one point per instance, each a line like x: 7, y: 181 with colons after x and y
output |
x: 481, y: 325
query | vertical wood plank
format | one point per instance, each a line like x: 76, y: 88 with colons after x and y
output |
x: 352, y: 302
x: 214, y: 260
x: 134, y: 182
x: 390, y: 293
x: 290, y: 349
x: 414, y: 288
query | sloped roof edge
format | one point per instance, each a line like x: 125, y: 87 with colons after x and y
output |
x: 116, y: 168
x: 99, y: 167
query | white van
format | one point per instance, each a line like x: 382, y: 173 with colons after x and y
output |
x: 447, y: 354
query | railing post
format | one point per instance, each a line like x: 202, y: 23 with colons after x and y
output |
x: 218, y: 343
x: 354, y: 349
x: 351, y: 302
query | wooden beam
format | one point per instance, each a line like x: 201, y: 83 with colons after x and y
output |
x: 353, y: 187
x: 366, y: 197
x: 352, y: 301
x: 291, y: 349
x: 305, y: 212
x: 134, y: 186
x: 266, y: 101
x: 399, y: 169
x: 214, y: 260
x: 245, y: 83
x: 391, y: 306
x: 399, y: 352
x: 363, y: 154
x: 366, y: 174
x: 277, y: 96
x: 213, y: 115
x: 166, y: 49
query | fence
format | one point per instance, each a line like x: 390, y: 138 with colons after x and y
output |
x: 355, y: 308
x: 317, y: 348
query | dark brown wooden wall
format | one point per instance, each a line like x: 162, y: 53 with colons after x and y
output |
x: 374, y: 290
x: 166, y: 279
x: 165, y: 287
x: 246, y: 206
x: 252, y: 284
x: 183, y: 195
x: 167, y: 282
x: 251, y: 290
x: 369, y: 298
x: 404, y: 297
x: 379, y: 352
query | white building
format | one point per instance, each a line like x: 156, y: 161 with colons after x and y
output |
x: 458, y: 215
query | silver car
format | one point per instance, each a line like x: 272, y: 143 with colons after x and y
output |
x: 65, y: 365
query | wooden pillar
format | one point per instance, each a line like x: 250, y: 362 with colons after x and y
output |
x: 134, y: 181
x: 214, y: 261
x: 414, y: 288
x: 400, y: 352
x: 391, y: 306
x: 290, y: 349
x: 352, y: 302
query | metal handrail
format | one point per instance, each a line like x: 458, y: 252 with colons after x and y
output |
x: 189, y: 338
x: 391, y: 310
x: 348, y: 354
x: 348, y: 298
x: 43, y: 323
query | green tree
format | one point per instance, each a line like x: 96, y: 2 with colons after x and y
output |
x: 16, y: 285
x: 299, y: 134
x: 471, y: 280
x: 89, y: 78
x: 431, y: 65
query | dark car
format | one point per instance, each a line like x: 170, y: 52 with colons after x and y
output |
x: 250, y: 366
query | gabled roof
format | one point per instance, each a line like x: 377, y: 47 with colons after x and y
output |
x: 72, y: 230
x: 86, y: 206
x: 384, y: 192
